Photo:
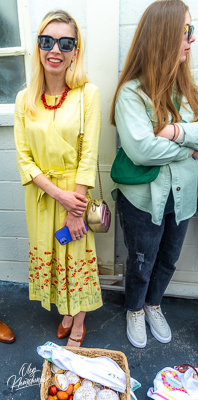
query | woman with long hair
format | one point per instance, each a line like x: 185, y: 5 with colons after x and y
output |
x: 47, y: 126
x: 155, y: 110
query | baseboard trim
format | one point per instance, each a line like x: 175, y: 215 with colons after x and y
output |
x: 182, y: 289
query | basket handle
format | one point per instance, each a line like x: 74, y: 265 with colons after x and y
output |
x: 128, y: 379
x: 181, y: 368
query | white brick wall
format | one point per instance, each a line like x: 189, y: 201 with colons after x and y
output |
x: 13, y: 232
x: 130, y: 14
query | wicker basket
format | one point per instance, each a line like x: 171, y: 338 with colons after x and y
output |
x: 117, y: 356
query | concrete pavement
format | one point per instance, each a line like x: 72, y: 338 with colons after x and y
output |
x: 106, y: 328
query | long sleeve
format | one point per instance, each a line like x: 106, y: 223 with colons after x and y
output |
x: 25, y: 161
x: 191, y: 135
x: 136, y: 133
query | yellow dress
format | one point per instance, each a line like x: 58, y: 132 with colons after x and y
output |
x: 65, y: 275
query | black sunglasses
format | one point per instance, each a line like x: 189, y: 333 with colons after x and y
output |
x: 190, y: 30
x: 46, y: 42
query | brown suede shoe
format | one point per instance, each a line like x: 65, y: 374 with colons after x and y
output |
x: 63, y: 332
x: 6, y: 335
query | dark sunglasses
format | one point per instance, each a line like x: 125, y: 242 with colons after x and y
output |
x: 46, y: 42
x: 190, y: 30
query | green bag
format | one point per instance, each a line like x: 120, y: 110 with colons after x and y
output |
x: 124, y: 171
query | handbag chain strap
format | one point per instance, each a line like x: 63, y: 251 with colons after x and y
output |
x: 81, y: 139
x: 81, y: 123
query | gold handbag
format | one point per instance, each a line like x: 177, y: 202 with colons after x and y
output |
x: 98, y: 213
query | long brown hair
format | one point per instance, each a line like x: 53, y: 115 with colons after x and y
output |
x: 154, y: 58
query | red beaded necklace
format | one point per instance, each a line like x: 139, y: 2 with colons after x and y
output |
x: 64, y: 94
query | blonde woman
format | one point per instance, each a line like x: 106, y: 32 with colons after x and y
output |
x: 47, y: 125
x: 155, y: 109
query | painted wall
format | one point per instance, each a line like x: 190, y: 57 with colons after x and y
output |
x: 130, y: 14
x: 13, y: 233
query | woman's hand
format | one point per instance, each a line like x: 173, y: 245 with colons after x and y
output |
x: 74, y: 202
x: 76, y: 226
x: 195, y: 154
x: 169, y: 131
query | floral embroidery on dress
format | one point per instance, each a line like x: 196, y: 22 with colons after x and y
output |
x: 48, y: 274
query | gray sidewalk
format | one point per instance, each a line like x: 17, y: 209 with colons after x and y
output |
x: 20, y: 365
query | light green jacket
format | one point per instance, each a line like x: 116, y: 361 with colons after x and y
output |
x: 133, y: 115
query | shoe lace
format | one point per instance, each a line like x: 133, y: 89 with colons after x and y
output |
x: 159, y: 316
x: 139, y: 320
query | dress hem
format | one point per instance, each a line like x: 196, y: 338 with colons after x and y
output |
x: 92, y: 307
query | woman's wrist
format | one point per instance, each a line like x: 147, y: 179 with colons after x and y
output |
x: 175, y: 132
x: 47, y: 186
x: 57, y: 194
x: 181, y: 136
x: 82, y: 189
x: 72, y: 216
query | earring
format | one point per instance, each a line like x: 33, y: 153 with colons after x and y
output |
x: 71, y: 65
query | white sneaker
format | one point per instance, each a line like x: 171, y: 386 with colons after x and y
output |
x: 136, y: 328
x: 158, y: 324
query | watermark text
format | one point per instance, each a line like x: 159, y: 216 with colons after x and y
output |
x: 28, y: 376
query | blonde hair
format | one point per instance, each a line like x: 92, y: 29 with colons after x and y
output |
x: 154, y: 58
x: 75, y: 78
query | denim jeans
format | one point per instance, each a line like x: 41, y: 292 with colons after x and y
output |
x: 152, y: 252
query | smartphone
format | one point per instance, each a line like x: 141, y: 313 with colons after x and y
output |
x: 63, y: 235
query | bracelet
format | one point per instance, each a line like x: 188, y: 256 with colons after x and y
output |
x: 174, y: 133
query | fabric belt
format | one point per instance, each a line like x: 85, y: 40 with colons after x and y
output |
x: 69, y: 174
